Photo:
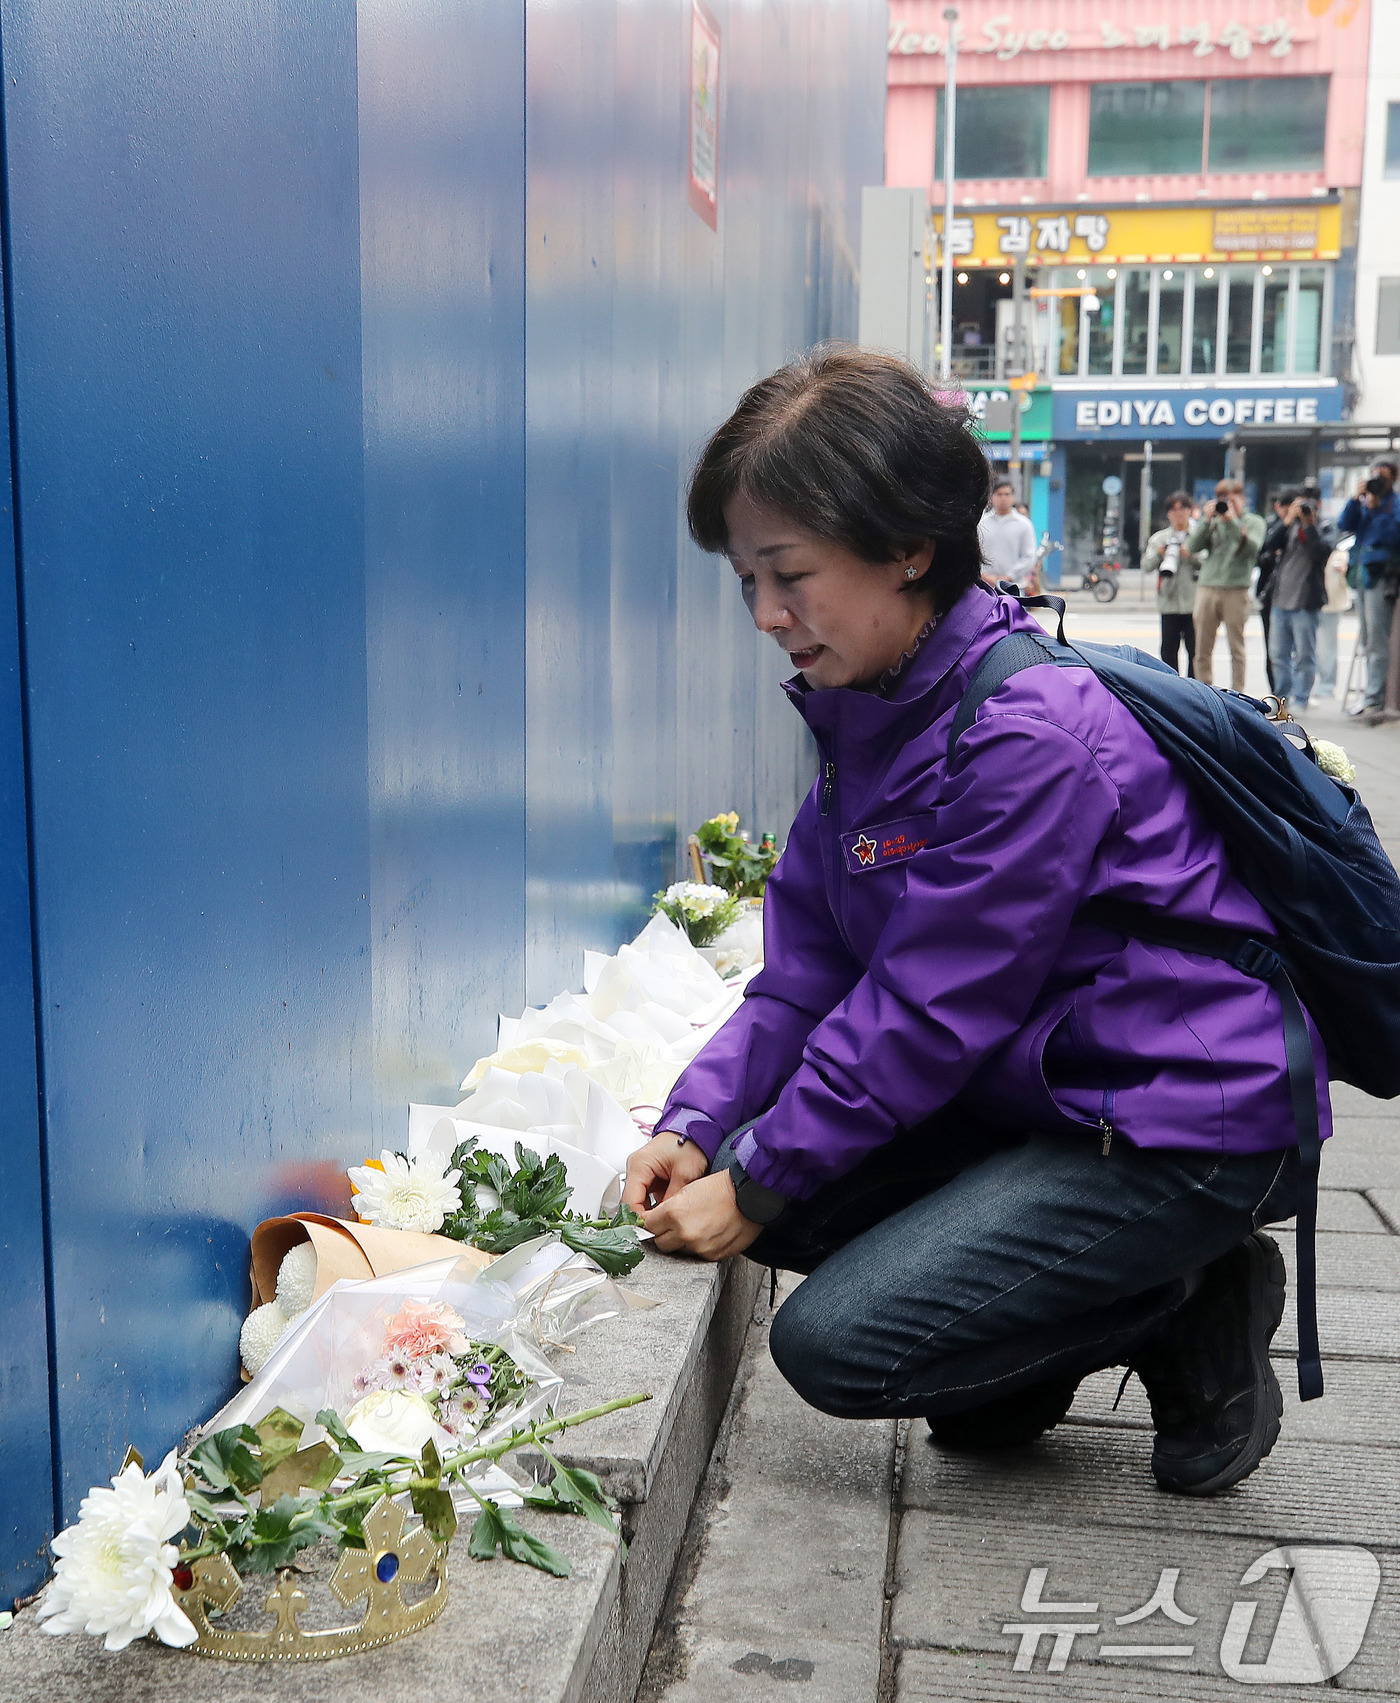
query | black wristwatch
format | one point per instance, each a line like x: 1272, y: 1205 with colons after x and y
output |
x: 758, y: 1204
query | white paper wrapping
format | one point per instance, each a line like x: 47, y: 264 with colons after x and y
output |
x: 586, y: 1076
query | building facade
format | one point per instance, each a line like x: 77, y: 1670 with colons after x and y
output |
x: 1377, y: 353
x: 1174, y: 185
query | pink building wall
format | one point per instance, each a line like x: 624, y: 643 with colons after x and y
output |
x: 1070, y: 44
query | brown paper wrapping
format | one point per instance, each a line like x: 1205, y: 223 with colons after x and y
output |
x: 345, y: 1248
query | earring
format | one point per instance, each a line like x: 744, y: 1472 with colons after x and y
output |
x: 911, y: 573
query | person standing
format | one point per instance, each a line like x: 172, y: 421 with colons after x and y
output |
x: 1007, y: 538
x: 1329, y: 620
x: 1177, y: 570
x: 1275, y: 541
x: 1231, y: 538
x: 1298, y: 594
x: 1373, y: 517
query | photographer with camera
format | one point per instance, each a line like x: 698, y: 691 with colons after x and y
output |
x: 1296, y: 596
x: 1270, y: 554
x: 1177, y: 570
x: 1373, y: 517
x: 1230, y: 538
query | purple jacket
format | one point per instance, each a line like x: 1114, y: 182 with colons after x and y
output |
x: 920, y: 941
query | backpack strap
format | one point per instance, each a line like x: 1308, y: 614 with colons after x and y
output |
x: 1255, y: 958
x: 1007, y: 656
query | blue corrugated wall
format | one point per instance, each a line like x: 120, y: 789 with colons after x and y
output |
x: 362, y: 674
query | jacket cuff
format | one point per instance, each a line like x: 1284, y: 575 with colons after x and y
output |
x: 770, y: 1170
x: 694, y: 1126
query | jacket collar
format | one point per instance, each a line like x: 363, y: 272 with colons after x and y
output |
x: 866, y: 715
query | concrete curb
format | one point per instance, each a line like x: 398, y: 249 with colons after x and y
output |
x: 509, y: 1634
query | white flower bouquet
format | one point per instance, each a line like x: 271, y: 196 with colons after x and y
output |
x: 415, y: 1385
x: 704, y: 912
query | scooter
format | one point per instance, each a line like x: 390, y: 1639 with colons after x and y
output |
x: 1100, y: 579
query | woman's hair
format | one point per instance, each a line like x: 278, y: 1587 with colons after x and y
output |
x: 855, y: 447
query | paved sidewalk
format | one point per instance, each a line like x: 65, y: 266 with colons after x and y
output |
x: 781, y: 1582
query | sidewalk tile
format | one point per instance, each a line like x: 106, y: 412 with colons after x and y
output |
x: 1348, y: 1262
x: 960, y: 1585
x: 1387, y: 1202
x: 1091, y: 1475
x: 1360, y: 1405
x: 1350, y: 1322
x: 938, y: 1676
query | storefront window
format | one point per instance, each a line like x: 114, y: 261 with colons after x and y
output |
x: 1203, y: 321
x: 1239, y: 319
x: 1100, y: 322
x: 1307, y: 320
x: 1164, y: 321
x: 1142, y: 129
x: 1137, y: 296
x: 1171, y: 289
x: 1001, y: 132
x: 1267, y: 123
x: 1273, y: 339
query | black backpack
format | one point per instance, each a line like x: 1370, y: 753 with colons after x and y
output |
x: 1303, y: 845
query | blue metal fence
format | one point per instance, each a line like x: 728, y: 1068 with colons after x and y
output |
x: 358, y: 356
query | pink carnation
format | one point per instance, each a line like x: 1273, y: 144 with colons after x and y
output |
x: 422, y: 1328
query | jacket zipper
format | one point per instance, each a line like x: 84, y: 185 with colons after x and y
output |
x: 1106, y: 1121
x: 834, y: 869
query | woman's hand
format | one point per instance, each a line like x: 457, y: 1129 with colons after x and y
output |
x: 701, y: 1218
x: 662, y: 1168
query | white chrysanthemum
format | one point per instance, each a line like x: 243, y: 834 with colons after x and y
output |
x: 1333, y: 760
x: 261, y: 1329
x: 296, y: 1279
x: 695, y: 899
x: 407, y: 1194
x: 114, y: 1566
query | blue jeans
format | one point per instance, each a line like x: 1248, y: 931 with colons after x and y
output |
x: 1293, y: 653
x: 1379, y: 611
x: 956, y: 1265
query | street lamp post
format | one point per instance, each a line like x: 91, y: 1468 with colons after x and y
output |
x: 950, y: 95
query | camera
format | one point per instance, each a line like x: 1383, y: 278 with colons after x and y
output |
x: 1306, y: 511
x: 1171, y: 560
x: 1377, y: 487
x: 1221, y: 506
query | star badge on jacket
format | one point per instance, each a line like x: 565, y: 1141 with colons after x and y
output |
x: 864, y: 849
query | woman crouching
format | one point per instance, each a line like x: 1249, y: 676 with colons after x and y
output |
x: 1009, y: 1147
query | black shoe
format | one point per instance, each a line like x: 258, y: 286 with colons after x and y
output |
x: 1216, y: 1403
x: 1006, y: 1423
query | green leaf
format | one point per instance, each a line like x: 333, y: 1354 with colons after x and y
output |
x: 434, y: 1508
x: 581, y: 1492
x: 330, y: 1421
x: 226, y: 1460
x: 501, y: 1230
x: 495, y: 1529
x: 616, y: 1249
x: 291, y: 1524
x: 208, y: 1514
x: 486, y: 1534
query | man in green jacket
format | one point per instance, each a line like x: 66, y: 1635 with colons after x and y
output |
x: 1231, y: 540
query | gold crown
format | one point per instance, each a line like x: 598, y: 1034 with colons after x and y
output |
x: 378, y: 1572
